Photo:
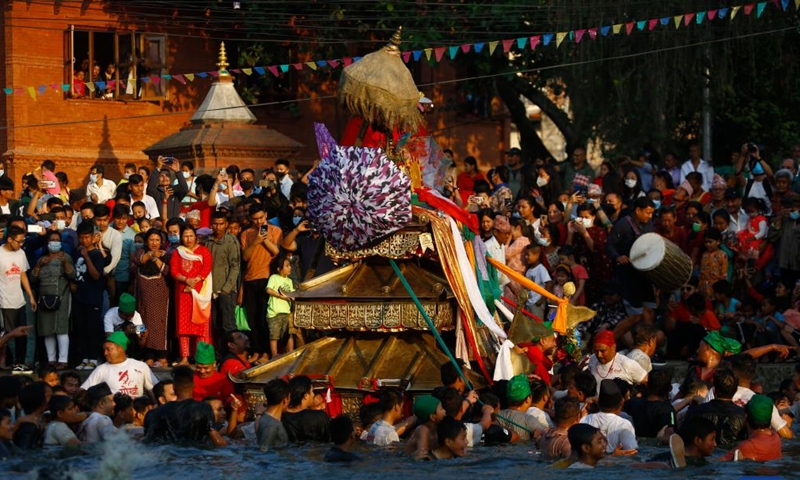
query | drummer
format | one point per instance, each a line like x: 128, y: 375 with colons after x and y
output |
x: 635, y: 288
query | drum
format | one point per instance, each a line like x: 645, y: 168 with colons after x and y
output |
x: 661, y: 261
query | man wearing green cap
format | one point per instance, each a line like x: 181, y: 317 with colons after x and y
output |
x: 122, y: 374
x: 762, y: 443
x: 208, y: 382
x: 429, y: 412
x: 515, y: 417
x: 126, y: 312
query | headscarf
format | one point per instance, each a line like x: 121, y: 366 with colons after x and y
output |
x: 518, y: 388
x: 606, y: 337
x: 722, y: 345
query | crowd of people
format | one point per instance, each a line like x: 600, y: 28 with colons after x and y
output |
x: 166, y: 268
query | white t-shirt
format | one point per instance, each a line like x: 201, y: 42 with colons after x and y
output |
x: 641, y: 358
x: 382, y: 434
x: 12, y: 266
x: 498, y: 252
x: 742, y: 398
x: 538, y: 275
x: 5, y: 209
x: 542, y: 418
x: 150, y: 206
x: 96, y: 427
x: 621, y: 367
x: 474, y: 433
x: 113, y: 320
x: 617, y: 430
x: 131, y: 377
x: 58, y: 433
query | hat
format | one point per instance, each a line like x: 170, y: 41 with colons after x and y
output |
x: 502, y: 224
x: 518, y: 388
x: 514, y: 151
x: 127, y: 303
x: 98, y: 392
x: 606, y: 337
x: 718, y: 181
x: 759, y: 408
x: 118, y: 338
x: 227, y: 206
x: 425, y: 406
x: 685, y: 185
x: 542, y: 334
x: 732, y: 192
x: 610, y: 395
x: 594, y: 189
x: 204, y: 354
x: 722, y: 345
x: 6, y: 183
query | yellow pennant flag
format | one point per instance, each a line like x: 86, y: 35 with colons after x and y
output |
x: 90, y: 86
x: 492, y: 46
x: 617, y: 28
x: 797, y: 4
x: 734, y: 12
x: 678, y: 19
x: 247, y: 71
x: 190, y: 76
x: 428, y: 52
x: 560, y: 38
x: 31, y: 92
x: 312, y: 65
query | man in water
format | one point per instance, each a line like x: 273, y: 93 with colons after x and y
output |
x: 208, y: 382
x: 607, y: 364
x: 270, y: 432
x: 122, y: 374
x: 98, y: 425
x: 301, y: 421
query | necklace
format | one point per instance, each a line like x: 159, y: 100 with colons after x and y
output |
x: 608, y: 372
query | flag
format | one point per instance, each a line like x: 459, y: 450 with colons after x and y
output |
x: 579, y: 35
x: 273, y: 69
x: 406, y: 56
x: 439, y: 53
x: 700, y: 16
x: 453, y: 52
x: 507, y: 45
x: 521, y: 41
x: 428, y: 52
x: 652, y: 24
x: 617, y: 28
x: 417, y: 54
x: 560, y: 38
x: 547, y: 38
x: 629, y: 27
x: 760, y: 9
x: 183, y: 80
x: 492, y: 46
x: 311, y: 65
x: 687, y: 19
x: 678, y: 19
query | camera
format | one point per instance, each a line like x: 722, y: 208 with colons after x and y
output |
x: 447, y: 192
x: 752, y: 147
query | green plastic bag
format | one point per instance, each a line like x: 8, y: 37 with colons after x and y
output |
x: 241, y: 319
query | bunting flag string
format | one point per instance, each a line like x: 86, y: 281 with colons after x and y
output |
x: 436, y: 54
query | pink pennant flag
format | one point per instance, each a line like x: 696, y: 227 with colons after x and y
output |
x: 56, y: 87
x: 333, y: 63
x: 652, y: 23
x: 274, y: 70
x: 535, y: 41
x: 214, y: 73
x: 465, y: 48
x: 439, y: 53
x: 406, y: 56
x: 687, y: 19
x: 749, y: 8
x: 298, y: 66
x: 593, y: 33
x: 712, y: 14
x: 629, y: 27
x: 155, y: 79
x: 347, y: 61
x: 179, y: 78
x: 579, y: 35
x: 507, y: 45
x: 777, y: 3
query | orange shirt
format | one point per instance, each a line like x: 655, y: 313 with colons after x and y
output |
x: 259, y: 263
x: 760, y: 447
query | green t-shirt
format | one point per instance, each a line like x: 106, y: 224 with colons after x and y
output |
x: 276, y: 305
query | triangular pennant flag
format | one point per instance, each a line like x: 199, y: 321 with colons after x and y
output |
x: 333, y: 63
x: 428, y: 53
x: 735, y: 10
x: 112, y: 84
x: 260, y: 70
x: 42, y: 89
x: 322, y: 63
x: 100, y: 85
x: 214, y: 73
x: 273, y: 69
x: 32, y: 92
x: 406, y: 56
x: 143, y: 79
x: 183, y: 81
x: 641, y: 24
x: 579, y: 35
x: 760, y: 9
x: 202, y: 74
x: 521, y: 41
x: 347, y: 61
x: 749, y: 8
x: 617, y: 28
x: 604, y: 30
x: 91, y: 88
x: 560, y: 38
x: 677, y: 19
x: 65, y: 87
x: 9, y: 91
x: 492, y: 47
x: 629, y: 27
x: 687, y: 19
x: 700, y: 17
x: 785, y: 4
x: 299, y: 66
x: 712, y: 14
x: 453, y: 52
x: 233, y: 70
x: 55, y: 86
x: 439, y: 53
x: 189, y: 76
x: 723, y: 12
x: 593, y: 33
x: 168, y: 77
x: 417, y: 54
x: 465, y: 48
x: 652, y: 23
x: 247, y: 71
x: 547, y: 38
x: 311, y: 65
x: 478, y: 47
x: 285, y: 67
x: 507, y: 45
x: 156, y: 79
x: 664, y: 21
x: 535, y: 41
x: 797, y: 4
x: 356, y: 59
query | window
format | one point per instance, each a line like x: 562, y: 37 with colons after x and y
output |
x: 113, y: 65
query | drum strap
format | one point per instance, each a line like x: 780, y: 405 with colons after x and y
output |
x: 635, y: 229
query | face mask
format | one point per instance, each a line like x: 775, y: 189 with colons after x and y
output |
x: 544, y: 242
x: 657, y: 204
x: 127, y: 176
x: 187, y: 174
x: 587, y: 222
x: 794, y: 215
x: 630, y: 183
x: 246, y: 184
x: 280, y: 175
x: 296, y: 220
x: 138, y: 245
x: 60, y: 224
x: 696, y: 227
x: 564, y: 204
x: 173, y: 239
x: 592, y: 200
x: 223, y: 186
x: 2, y: 172
x: 54, y: 247
x: 541, y: 181
x: 93, y: 178
x: 609, y: 209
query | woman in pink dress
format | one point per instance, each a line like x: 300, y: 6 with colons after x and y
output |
x: 190, y: 266
x: 520, y: 238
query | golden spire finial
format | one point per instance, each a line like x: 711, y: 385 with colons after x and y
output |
x: 223, y: 60
x: 393, y: 46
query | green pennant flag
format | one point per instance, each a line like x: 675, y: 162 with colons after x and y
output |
x: 760, y: 9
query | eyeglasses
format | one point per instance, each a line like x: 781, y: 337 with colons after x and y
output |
x: 19, y: 242
x: 687, y: 289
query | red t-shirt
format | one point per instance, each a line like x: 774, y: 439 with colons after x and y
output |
x: 234, y: 365
x: 760, y: 447
x: 217, y: 385
x: 580, y: 273
x: 707, y: 319
x: 205, y: 212
x: 537, y: 358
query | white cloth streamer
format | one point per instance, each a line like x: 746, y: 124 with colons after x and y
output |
x: 503, y: 369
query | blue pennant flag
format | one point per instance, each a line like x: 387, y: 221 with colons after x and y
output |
x: 260, y: 70
x: 322, y: 63
x: 417, y: 54
x: 604, y: 30
x: 202, y: 74
x: 42, y: 89
x: 478, y: 47
x: 101, y: 85
x: 723, y: 12
x: 547, y: 38
x: 665, y: 21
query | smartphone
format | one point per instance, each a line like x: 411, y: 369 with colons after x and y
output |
x: 263, y: 230
x: 48, y: 184
x: 223, y: 173
x: 140, y: 329
x: 543, y: 219
x: 36, y: 229
x: 169, y: 160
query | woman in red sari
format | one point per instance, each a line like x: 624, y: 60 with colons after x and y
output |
x: 589, y: 241
x: 190, y: 266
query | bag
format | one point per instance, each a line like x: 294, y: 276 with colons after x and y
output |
x: 241, y: 319
x: 49, y: 303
